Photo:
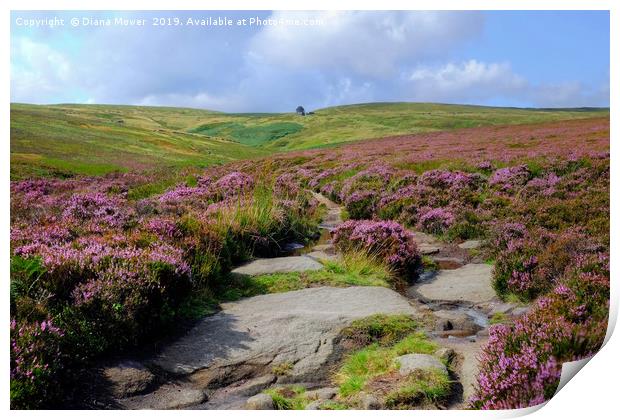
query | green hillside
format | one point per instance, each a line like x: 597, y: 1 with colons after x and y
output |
x: 62, y: 140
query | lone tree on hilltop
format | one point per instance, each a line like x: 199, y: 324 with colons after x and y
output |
x: 300, y: 110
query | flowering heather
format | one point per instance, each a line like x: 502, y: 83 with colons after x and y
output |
x: 435, y: 220
x: 361, y: 204
x: 386, y: 240
x: 35, y: 358
x: 120, y: 252
x: 521, y: 364
x: 545, y: 185
x: 509, y: 178
x: 232, y: 184
x: 97, y: 208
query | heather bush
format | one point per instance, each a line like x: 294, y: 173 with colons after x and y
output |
x: 386, y: 240
x: 36, y: 358
x: 521, y: 364
x: 435, y: 220
x: 530, y: 265
x: 361, y: 204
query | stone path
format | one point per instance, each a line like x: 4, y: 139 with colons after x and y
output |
x: 278, y: 265
x: 292, y: 337
x: 470, y: 283
x: 254, y: 336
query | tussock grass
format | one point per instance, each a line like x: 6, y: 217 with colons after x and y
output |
x: 352, y: 270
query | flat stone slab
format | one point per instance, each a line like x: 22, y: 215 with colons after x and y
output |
x: 167, y: 397
x: 322, y: 255
x: 427, y: 249
x: 409, y: 363
x: 470, y: 283
x: 470, y: 244
x: 298, y: 327
x: 278, y: 265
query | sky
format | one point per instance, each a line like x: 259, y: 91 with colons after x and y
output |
x: 314, y: 59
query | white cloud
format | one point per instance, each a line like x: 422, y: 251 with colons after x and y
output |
x: 370, y: 44
x: 475, y: 81
x: 468, y: 80
x: 37, y: 70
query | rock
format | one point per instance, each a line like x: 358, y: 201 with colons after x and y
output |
x: 278, y: 265
x: 427, y: 249
x: 458, y: 322
x: 322, y: 394
x: 255, y: 385
x: 314, y: 405
x: 262, y: 331
x: 471, y: 283
x: 448, y: 263
x: 292, y: 247
x: 470, y: 244
x: 128, y: 378
x: 446, y: 354
x: 323, y: 247
x: 484, y: 333
x: 409, y: 363
x: 369, y: 402
x: 259, y: 402
x: 321, y: 255
x: 167, y: 397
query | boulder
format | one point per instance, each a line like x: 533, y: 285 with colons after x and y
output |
x: 259, y: 402
x: 128, y: 378
x: 409, y: 363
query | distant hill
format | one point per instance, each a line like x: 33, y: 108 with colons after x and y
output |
x: 62, y: 140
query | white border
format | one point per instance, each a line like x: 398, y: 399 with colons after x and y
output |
x: 591, y: 394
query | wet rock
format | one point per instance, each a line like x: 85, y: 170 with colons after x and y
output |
x: 409, y: 363
x: 167, y: 397
x: 470, y: 244
x: 278, y: 265
x: 459, y: 322
x: 291, y: 247
x: 322, y: 393
x: 259, y: 402
x: 369, y: 402
x: 448, y: 263
x: 128, y: 378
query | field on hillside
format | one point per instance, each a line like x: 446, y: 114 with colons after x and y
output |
x: 63, y: 140
x: 90, y: 257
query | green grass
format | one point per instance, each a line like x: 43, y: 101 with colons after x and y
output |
x: 67, y: 140
x: 376, y: 360
x: 61, y: 141
x: 352, y: 270
x: 288, y: 398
